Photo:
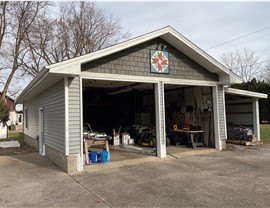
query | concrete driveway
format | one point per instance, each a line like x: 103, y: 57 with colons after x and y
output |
x: 219, y: 179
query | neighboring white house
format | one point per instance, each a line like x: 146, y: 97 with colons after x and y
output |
x: 160, y: 78
x: 13, y: 117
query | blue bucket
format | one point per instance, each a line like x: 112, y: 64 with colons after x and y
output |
x: 103, y: 156
x: 93, y: 157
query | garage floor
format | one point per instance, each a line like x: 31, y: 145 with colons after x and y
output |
x: 122, y: 157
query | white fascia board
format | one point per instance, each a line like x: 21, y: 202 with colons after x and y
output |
x: 235, y: 80
x: 226, y: 79
x: 70, y: 69
x: 245, y: 93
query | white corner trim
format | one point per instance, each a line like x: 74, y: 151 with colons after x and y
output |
x: 66, y: 117
x: 216, y: 117
x: 224, y: 111
x: 256, y: 118
x: 41, y: 131
x: 80, y: 156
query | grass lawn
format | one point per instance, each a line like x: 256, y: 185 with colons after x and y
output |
x: 14, y: 136
x: 265, y: 133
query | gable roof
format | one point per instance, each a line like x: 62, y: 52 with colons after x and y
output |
x: 170, y: 35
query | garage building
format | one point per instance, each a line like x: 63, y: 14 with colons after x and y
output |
x: 160, y: 78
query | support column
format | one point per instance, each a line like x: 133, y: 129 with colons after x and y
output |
x: 219, y: 117
x: 160, y: 120
x: 66, y: 117
x: 256, y: 118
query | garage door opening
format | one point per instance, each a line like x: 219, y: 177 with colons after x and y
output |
x: 189, y: 117
x: 129, y: 107
x: 123, y: 110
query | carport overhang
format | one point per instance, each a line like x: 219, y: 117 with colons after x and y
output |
x: 252, y: 97
x: 245, y: 93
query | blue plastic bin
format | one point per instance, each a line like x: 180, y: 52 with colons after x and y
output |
x: 93, y: 157
x: 103, y: 156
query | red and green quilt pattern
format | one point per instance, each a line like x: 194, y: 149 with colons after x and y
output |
x: 159, y: 61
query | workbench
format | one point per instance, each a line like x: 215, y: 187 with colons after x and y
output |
x: 192, y: 136
x: 90, y: 143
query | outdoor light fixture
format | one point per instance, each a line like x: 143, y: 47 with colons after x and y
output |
x: 161, y: 47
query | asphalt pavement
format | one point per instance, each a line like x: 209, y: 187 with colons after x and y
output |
x: 219, y: 179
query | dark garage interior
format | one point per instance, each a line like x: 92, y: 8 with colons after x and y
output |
x: 109, y: 105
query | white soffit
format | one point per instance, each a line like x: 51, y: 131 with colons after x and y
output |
x: 36, y: 88
x: 245, y: 93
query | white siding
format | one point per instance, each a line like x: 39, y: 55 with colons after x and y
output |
x: 74, y: 115
x: 52, y: 101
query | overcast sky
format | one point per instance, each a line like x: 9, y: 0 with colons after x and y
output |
x: 206, y: 24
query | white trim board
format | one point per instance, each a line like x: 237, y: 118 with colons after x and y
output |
x: 130, y: 78
x: 66, y: 117
x: 80, y: 159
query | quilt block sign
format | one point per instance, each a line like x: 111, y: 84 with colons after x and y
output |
x: 159, y: 61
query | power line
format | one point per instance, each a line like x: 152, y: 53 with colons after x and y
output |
x: 242, y: 43
x: 240, y: 37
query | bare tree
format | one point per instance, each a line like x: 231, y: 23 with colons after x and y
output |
x: 81, y: 28
x: 22, y: 15
x: 244, y: 63
x: 3, y: 20
x: 33, y: 37
x: 266, y: 71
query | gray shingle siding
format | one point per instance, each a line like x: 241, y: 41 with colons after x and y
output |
x: 52, y: 100
x: 74, y: 115
x: 136, y: 61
